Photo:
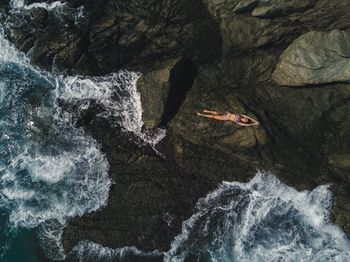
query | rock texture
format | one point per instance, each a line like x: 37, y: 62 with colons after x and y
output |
x: 95, y: 38
x: 210, y: 54
x: 315, y: 58
x: 163, y: 90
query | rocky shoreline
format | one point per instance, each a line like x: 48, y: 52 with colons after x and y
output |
x: 286, y: 64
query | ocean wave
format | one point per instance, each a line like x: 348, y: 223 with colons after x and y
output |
x: 89, y: 251
x: 51, y: 170
x: 16, y: 4
x: 263, y: 220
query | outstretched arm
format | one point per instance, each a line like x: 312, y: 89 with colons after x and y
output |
x: 253, y: 124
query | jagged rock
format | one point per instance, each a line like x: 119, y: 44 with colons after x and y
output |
x: 277, y: 23
x: 154, y: 87
x: 162, y: 91
x: 274, y: 8
x: 4, y: 8
x: 245, y: 6
x: 315, y: 58
x: 114, y: 35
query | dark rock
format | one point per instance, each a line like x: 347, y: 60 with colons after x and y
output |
x: 275, y: 8
x: 245, y: 6
x: 4, y: 9
x: 315, y: 58
x: 154, y: 87
x: 115, y: 35
x: 242, y: 32
x: 297, y: 142
x: 164, y: 90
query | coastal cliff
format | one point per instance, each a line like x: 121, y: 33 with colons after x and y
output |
x: 288, y: 65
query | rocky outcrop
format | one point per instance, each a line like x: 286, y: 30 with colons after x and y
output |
x: 276, y: 23
x: 262, y: 8
x: 315, y: 58
x: 99, y: 38
x: 277, y: 8
x: 154, y: 87
x: 163, y: 90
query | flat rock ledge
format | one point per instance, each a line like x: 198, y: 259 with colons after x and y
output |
x: 315, y: 58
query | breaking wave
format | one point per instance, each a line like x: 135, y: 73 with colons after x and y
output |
x: 89, y: 251
x: 50, y: 170
x: 263, y: 220
x: 16, y: 4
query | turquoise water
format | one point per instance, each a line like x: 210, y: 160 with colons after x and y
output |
x: 262, y: 220
x: 23, y: 248
x: 50, y: 170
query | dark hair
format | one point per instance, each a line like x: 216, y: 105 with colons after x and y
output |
x: 245, y: 120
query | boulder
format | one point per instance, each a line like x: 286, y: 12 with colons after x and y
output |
x: 248, y: 24
x: 276, y: 8
x: 163, y: 90
x: 154, y: 87
x: 315, y: 58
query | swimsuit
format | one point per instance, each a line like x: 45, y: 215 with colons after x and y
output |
x: 238, y: 118
x: 227, y: 115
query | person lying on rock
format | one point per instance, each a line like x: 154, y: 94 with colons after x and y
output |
x: 239, y: 119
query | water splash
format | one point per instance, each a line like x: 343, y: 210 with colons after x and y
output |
x: 89, y: 251
x: 263, y: 220
x: 51, y: 170
x: 117, y: 94
x: 18, y: 4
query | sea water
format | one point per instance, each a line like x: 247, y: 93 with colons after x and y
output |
x: 50, y: 170
x: 263, y: 220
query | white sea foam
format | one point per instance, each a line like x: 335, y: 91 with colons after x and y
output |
x: 47, y: 6
x: 41, y: 168
x: 9, y: 53
x: 89, y: 251
x: 118, y: 95
x: 50, y: 170
x: 17, y: 4
x: 50, y: 239
x: 263, y: 220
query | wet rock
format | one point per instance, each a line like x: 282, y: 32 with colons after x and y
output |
x: 4, y: 9
x: 295, y: 141
x: 163, y: 91
x: 98, y: 39
x: 154, y: 87
x: 315, y: 58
